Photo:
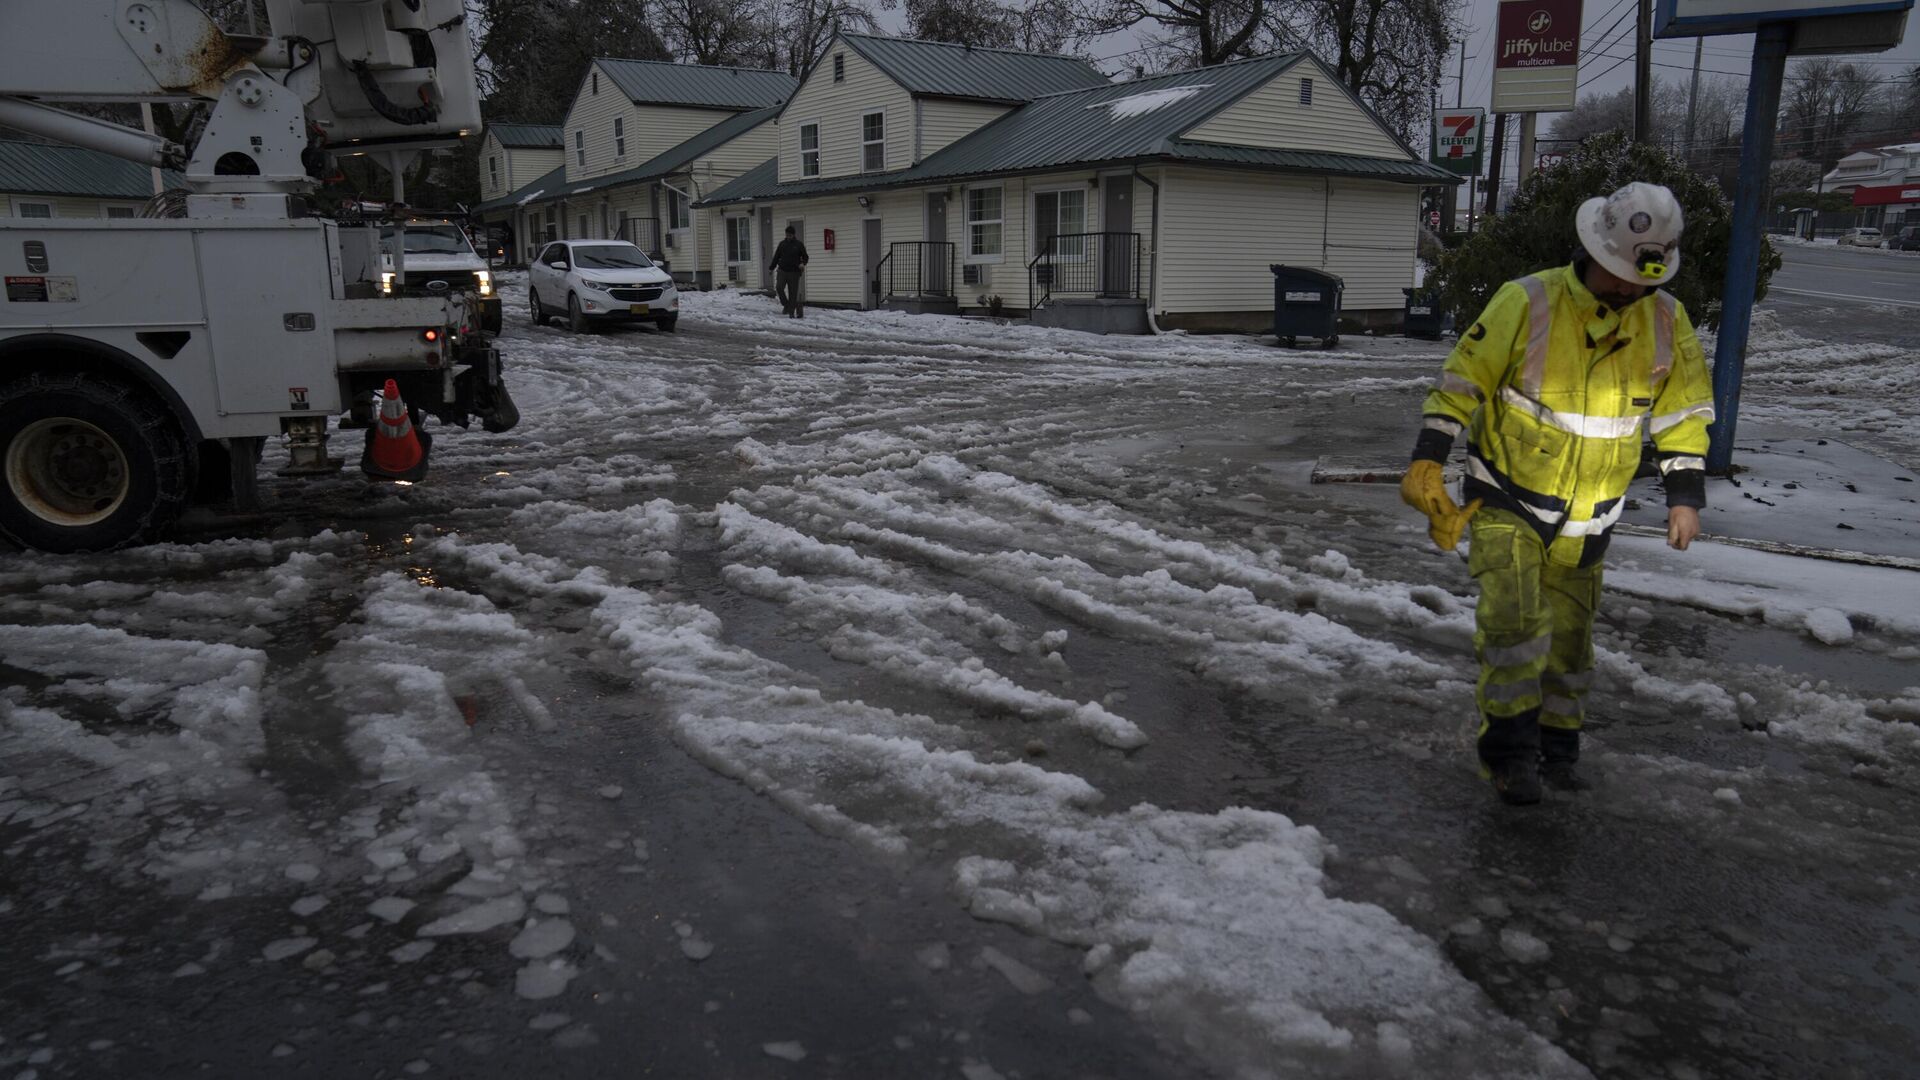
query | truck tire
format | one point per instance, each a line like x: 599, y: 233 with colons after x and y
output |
x: 87, y: 463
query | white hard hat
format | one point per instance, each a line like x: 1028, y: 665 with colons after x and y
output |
x: 1634, y: 233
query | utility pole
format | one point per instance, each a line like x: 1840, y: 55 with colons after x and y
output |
x: 1693, y: 97
x: 1526, y: 144
x: 1453, y: 191
x: 1493, y: 169
x: 1643, y: 71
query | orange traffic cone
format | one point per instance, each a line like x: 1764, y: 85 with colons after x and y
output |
x: 395, y: 450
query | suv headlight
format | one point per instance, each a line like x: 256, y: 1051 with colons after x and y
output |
x: 603, y: 286
x: 485, y: 279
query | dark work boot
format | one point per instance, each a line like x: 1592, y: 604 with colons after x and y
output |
x: 1516, y: 781
x: 1559, y: 754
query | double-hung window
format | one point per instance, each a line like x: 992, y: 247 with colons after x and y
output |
x: 679, y: 216
x: 809, y: 149
x: 580, y: 147
x: 739, y: 239
x: 619, y: 138
x: 493, y: 170
x: 1061, y: 216
x: 873, y: 142
x: 984, y: 219
x: 32, y: 209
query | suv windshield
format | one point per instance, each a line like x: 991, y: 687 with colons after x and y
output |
x: 610, y: 257
x: 429, y: 240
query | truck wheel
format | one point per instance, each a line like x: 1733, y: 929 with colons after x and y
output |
x: 87, y: 464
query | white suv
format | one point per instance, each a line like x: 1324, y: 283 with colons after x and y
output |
x: 1861, y: 238
x: 600, y: 280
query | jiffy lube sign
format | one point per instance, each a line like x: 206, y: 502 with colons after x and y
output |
x: 1539, y: 33
x: 1536, y: 55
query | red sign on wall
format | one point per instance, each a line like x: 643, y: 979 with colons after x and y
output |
x: 826, y: 239
x: 1538, y: 34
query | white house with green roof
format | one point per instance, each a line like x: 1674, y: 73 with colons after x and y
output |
x: 931, y: 176
x: 515, y: 155
x: 642, y: 143
x: 53, y: 180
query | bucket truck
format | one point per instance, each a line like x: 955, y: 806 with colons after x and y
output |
x: 144, y: 362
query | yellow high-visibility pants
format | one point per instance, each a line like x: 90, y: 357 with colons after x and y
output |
x: 1533, y: 636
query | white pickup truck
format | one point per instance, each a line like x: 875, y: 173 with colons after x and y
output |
x: 439, y: 256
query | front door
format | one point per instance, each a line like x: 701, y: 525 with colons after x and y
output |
x: 1119, y: 257
x: 936, y: 259
x: 870, y: 245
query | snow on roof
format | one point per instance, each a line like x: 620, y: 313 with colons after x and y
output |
x: 1126, y: 108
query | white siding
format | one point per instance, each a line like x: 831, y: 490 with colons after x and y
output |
x: 649, y: 129
x: 943, y: 123
x: 1221, y: 230
x: 752, y: 270
x: 837, y: 108
x: 493, y: 180
x: 1272, y: 116
x: 528, y: 165
x: 737, y: 155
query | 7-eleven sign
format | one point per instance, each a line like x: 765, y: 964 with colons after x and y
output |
x: 1456, y: 140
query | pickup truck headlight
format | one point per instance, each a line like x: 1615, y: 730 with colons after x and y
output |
x: 386, y: 283
x: 486, y: 282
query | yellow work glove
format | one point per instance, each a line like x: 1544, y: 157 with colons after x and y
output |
x: 1424, y: 490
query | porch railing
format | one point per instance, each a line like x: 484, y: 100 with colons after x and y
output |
x: 920, y: 269
x: 643, y: 233
x: 1106, y: 265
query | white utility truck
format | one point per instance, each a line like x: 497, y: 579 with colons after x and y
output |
x: 144, y: 362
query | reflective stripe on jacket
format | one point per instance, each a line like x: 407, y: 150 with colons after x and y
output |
x: 1553, y: 388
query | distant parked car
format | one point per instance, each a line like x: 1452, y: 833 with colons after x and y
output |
x: 1907, y: 239
x: 600, y: 281
x: 1860, y: 238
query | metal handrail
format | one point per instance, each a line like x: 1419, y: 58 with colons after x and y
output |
x: 1100, y: 264
x: 645, y: 234
x: 924, y: 270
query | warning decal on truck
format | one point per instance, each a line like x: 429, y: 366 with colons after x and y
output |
x: 41, y: 290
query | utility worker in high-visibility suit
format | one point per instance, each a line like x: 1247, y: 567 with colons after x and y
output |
x: 1553, y: 386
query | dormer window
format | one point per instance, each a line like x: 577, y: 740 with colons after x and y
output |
x: 839, y: 67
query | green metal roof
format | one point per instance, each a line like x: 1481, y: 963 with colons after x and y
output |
x: 548, y: 186
x: 661, y: 82
x: 33, y: 168
x: 1133, y: 122
x: 681, y: 156
x: 536, y: 136
x: 943, y: 69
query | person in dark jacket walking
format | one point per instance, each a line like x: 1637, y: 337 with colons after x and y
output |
x: 789, y: 262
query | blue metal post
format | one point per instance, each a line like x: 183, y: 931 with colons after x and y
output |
x: 1743, y: 246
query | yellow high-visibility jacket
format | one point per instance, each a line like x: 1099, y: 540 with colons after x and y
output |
x: 1553, y: 388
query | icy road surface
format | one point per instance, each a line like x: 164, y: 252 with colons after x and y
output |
x: 892, y: 696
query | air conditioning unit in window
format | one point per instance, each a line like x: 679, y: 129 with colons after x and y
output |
x: 733, y: 272
x: 970, y: 274
x: 669, y: 241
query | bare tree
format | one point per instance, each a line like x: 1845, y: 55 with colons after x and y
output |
x: 727, y: 32
x: 531, y: 54
x: 796, y: 30
x: 1389, y: 52
x: 1196, y: 32
x: 1827, y: 103
x: 1036, y: 26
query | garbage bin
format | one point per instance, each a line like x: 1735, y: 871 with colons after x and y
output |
x: 1424, y: 316
x: 1306, y: 304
